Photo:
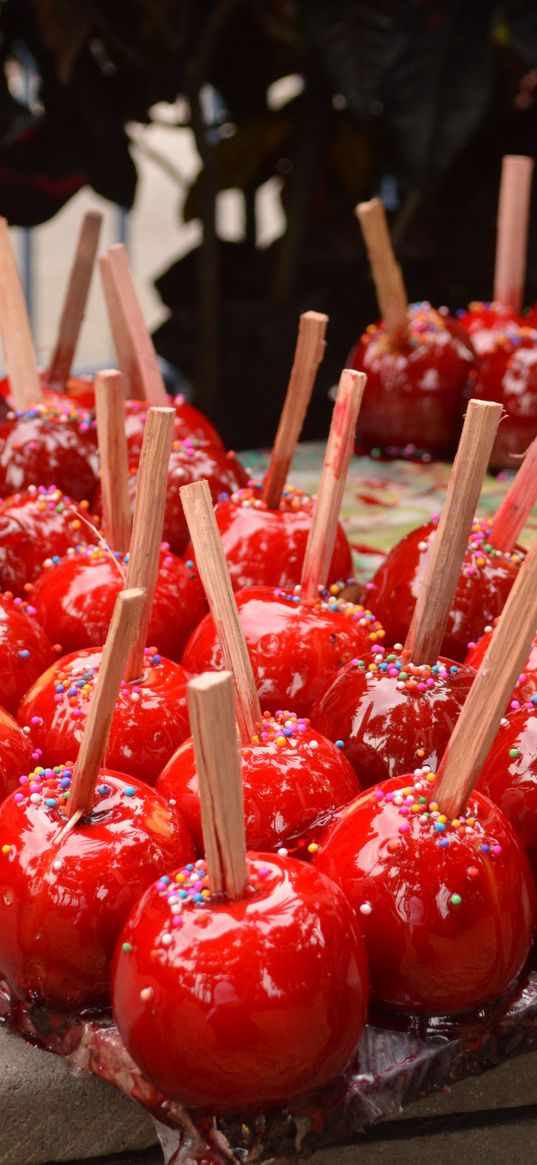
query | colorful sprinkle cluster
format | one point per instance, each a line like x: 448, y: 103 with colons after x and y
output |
x: 410, y: 677
x: 249, y: 498
x: 50, y: 788
x: 62, y: 413
x: 426, y: 325
x: 7, y: 597
x: 284, y: 730
x: 188, y: 891
x: 420, y: 816
x: 332, y: 599
x: 73, y: 685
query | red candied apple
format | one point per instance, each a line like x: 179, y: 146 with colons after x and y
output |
x: 74, y: 599
x: 189, y: 422
x: 36, y: 526
x: 48, y: 446
x: 509, y: 776
x: 448, y: 908
x: 25, y: 650
x: 150, y: 718
x: 232, y: 1005
x: 266, y: 547
x: 64, y: 895
x: 486, y: 579
x: 414, y: 391
x: 390, y: 714
x: 506, y: 372
x: 292, y: 779
x: 296, y: 648
x: 193, y: 460
x: 15, y: 753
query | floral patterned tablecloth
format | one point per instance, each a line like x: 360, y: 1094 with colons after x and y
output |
x: 385, y: 499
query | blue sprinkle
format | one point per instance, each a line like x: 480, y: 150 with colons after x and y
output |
x: 189, y: 563
x: 439, y: 826
x: 24, y: 654
x: 443, y: 842
x: 485, y: 848
x: 51, y: 802
x: 65, y: 782
x: 103, y: 790
x: 130, y: 791
x: 340, y: 744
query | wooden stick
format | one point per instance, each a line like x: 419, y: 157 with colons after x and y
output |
x: 445, y: 557
x: 214, y: 574
x: 150, y: 505
x: 323, y: 530
x: 74, y: 304
x: 517, y: 503
x: 512, y: 230
x: 309, y: 352
x: 485, y: 705
x: 116, y: 506
x: 134, y: 346
x: 386, y: 272
x: 123, y: 631
x: 120, y: 336
x: 211, y: 707
x: 17, y: 343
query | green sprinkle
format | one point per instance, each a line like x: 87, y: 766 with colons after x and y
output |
x: 455, y: 899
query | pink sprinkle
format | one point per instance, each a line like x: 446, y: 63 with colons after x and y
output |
x: 404, y: 827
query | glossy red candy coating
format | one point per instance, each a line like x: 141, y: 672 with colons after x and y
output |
x: 266, y: 547
x: 63, y: 903
x: 15, y: 754
x: 149, y: 722
x: 292, y: 777
x: 190, y: 422
x: 506, y: 372
x: 296, y: 649
x: 509, y: 776
x: 390, y: 725
x: 74, y: 600
x: 243, y: 1004
x: 49, y: 446
x: 25, y: 651
x: 37, y: 525
x: 194, y: 461
x: 448, y: 911
x: 414, y: 394
x: 486, y: 579
x: 526, y: 685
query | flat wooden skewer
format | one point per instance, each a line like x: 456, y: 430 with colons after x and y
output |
x: 444, y: 560
x: 17, y: 343
x: 391, y: 294
x: 123, y: 631
x: 76, y: 296
x: 214, y: 574
x: 485, y: 705
x: 148, y: 522
x: 323, y: 530
x: 517, y: 503
x: 116, y: 506
x: 309, y: 352
x: 512, y: 230
x: 211, y: 708
x: 134, y: 347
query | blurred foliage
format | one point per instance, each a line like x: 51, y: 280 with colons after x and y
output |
x: 416, y: 98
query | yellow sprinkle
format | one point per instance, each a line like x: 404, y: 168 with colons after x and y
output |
x: 480, y: 561
x: 180, y: 878
x: 280, y: 740
x: 313, y: 847
x: 442, y: 819
x: 6, y: 849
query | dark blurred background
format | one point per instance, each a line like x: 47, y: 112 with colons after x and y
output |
x: 415, y: 100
